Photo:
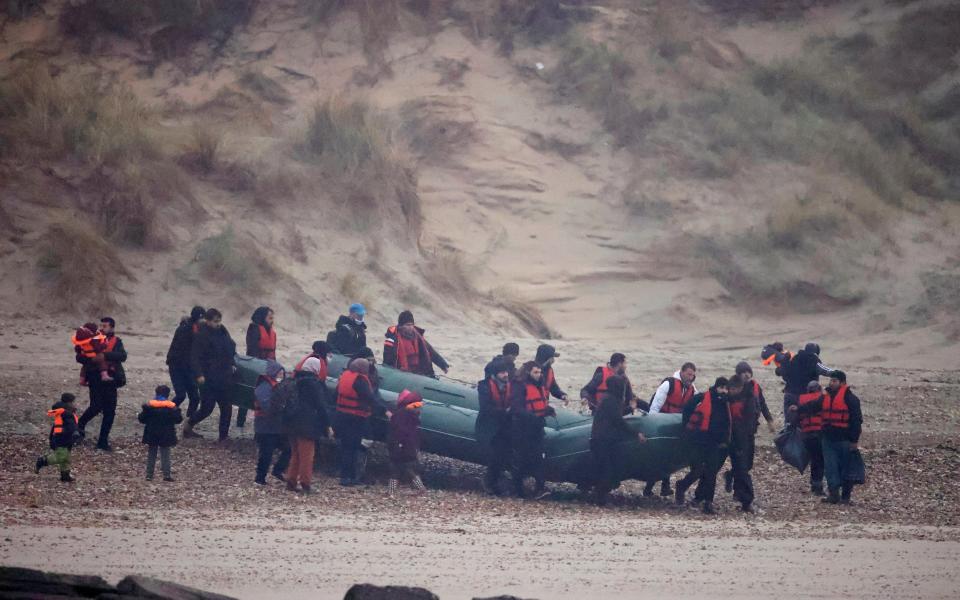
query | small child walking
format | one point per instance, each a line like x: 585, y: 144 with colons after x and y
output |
x: 64, y: 433
x: 88, y: 341
x: 160, y: 418
x: 403, y: 441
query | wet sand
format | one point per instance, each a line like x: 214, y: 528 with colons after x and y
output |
x: 554, y: 557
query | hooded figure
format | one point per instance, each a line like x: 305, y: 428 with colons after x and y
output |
x: 268, y: 426
x: 349, y: 335
x: 546, y: 354
x: 178, y: 361
x: 261, y: 336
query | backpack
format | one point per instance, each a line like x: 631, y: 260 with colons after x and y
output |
x: 282, y: 398
x: 654, y: 394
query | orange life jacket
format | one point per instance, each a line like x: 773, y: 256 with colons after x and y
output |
x: 348, y: 401
x: 109, y: 344
x: 267, y: 344
x: 408, y: 351
x: 607, y: 374
x: 677, y: 396
x: 700, y: 419
x: 57, y: 415
x: 90, y: 346
x: 155, y: 403
x: 811, y: 422
x: 501, y: 401
x: 773, y: 358
x: 835, y: 411
x: 322, y: 375
x: 548, y: 380
x: 536, y: 400
x: 737, y: 405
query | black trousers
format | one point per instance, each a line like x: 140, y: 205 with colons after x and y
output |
x: 241, y: 416
x: 528, y: 454
x: 498, y: 455
x: 815, y: 450
x: 268, y: 444
x: 185, y: 386
x: 741, y: 461
x: 350, y: 430
x: 103, y: 400
x: 214, y: 395
x: 707, y: 460
x: 603, y: 455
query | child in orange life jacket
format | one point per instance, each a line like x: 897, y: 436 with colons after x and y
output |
x: 63, y: 435
x: 160, y: 418
x: 90, y: 342
x: 403, y: 441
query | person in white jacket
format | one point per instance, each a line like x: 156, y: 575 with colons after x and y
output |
x: 672, y: 394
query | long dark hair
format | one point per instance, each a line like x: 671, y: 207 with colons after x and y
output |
x: 259, y: 316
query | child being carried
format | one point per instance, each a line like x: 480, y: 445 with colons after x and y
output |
x: 88, y: 341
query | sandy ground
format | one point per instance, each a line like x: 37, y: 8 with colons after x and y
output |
x: 214, y: 529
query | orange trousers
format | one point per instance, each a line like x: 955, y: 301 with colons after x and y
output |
x: 301, y: 461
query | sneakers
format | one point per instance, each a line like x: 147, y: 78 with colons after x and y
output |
x: 746, y: 508
x: 104, y: 376
x: 188, y: 431
x: 260, y: 481
x: 816, y: 490
x: 305, y: 489
x: 65, y: 477
x: 41, y: 463
x: 168, y: 479
x: 708, y: 508
x: 832, y: 498
x: 291, y: 486
x: 280, y: 477
x: 105, y: 447
x: 665, y: 490
x: 648, y: 489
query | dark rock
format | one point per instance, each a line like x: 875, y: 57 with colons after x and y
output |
x: 16, y: 579
x: 148, y: 587
x: 366, y: 591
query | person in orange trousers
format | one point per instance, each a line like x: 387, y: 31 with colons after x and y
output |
x: 306, y: 421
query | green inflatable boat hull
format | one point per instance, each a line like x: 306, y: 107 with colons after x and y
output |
x: 448, y: 426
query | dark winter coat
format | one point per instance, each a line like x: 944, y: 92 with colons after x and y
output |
x: 178, y: 356
x: 348, y: 337
x: 266, y: 421
x: 493, y: 422
x: 115, y: 360
x: 70, y: 432
x: 212, y: 355
x: 308, y: 415
x: 403, y: 439
x: 588, y: 391
x: 719, y: 429
x: 608, y: 423
x: 746, y: 426
x: 524, y: 422
x: 803, y: 368
x: 160, y: 418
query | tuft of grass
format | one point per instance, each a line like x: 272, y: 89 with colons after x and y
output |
x: 447, y: 274
x: 201, y: 152
x: 223, y: 259
x: 44, y: 117
x: 83, y: 268
x: 358, y: 149
x: 529, y: 316
x: 266, y: 88
x: 353, y: 289
x: 595, y: 75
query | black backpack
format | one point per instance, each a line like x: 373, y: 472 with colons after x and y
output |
x: 283, y: 398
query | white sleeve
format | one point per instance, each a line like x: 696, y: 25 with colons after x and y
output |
x: 660, y: 397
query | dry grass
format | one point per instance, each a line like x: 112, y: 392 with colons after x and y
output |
x: 225, y: 260
x: 47, y: 118
x: 448, y: 275
x: 596, y: 76
x: 353, y: 289
x: 437, y: 129
x: 529, y: 316
x: 201, y: 152
x: 266, y: 88
x: 83, y: 269
x: 358, y: 150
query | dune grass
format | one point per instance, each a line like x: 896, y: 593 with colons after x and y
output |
x: 83, y: 269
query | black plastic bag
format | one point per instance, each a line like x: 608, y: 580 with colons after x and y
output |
x: 791, y: 448
x: 856, y: 471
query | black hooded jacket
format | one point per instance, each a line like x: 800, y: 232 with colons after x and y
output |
x: 178, y: 356
x: 212, y: 355
x: 348, y: 337
x: 803, y: 368
x: 719, y: 429
x: 253, y: 331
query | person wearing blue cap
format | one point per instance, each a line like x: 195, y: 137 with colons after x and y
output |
x: 349, y: 335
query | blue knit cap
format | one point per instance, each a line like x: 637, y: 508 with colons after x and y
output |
x: 358, y: 308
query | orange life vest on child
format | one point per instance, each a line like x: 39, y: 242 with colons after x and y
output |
x: 811, y: 422
x: 88, y: 347
x: 835, y: 411
x: 348, y: 401
x: 57, y: 414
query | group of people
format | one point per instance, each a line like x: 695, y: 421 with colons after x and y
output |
x: 293, y: 412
